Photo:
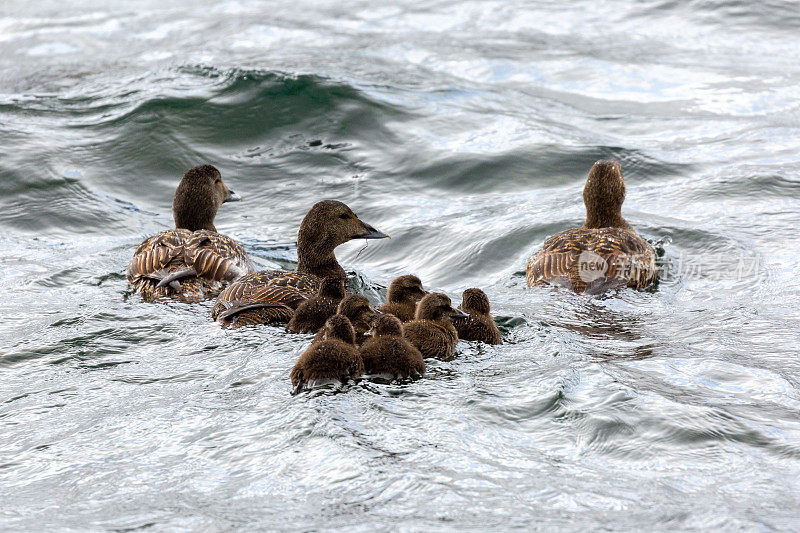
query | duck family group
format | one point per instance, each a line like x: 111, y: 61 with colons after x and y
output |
x: 193, y: 262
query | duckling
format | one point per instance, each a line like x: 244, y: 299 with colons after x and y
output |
x: 360, y: 313
x: 272, y: 295
x: 191, y: 262
x: 402, y: 297
x: 432, y: 331
x: 479, y: 325
x: 311, y: 315
x: 387, y: 352
x: 334, y: 358
x: 605, y: 252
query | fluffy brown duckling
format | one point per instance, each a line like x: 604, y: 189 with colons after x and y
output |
x: 388, y: 353
x: 432, y: 331
x: 605, y: 253
x: 334, y: 358
x: 402, y: 297
x: 360, y: 313
x: 191, y: 262
x: 310, y: 316
x: 272, y: 295
x: 479, y: 325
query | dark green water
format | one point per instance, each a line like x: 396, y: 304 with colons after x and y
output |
x: 464, y: 130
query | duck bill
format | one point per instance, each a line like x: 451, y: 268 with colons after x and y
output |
x: 458, y: 313
x: 371, y: 233
x: 232, y: 197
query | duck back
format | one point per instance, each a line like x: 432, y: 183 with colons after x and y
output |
x: 186, y: 265
x: 593, y: 260
x: 327, y: 360
x: 434, y: 339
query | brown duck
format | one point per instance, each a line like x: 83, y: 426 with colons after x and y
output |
x: 479, y: 325
x: 191, y: 262
x: 387, y: 352
x: 334, y: 358
x: 402, y: 297
x: 271, y: 296
x: 360, y: 313
x: 605, y: 252
x: 310, y: 316
x: 432, y: 331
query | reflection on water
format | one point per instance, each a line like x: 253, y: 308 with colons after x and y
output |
x: 464, y: 130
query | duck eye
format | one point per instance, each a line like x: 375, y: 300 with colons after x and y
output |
x: 344, y: 216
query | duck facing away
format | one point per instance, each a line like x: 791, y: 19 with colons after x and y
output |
x: 360, y: 314
x: 271, y: 296
x: 605, y: 253
x: 479, y: 325
x: 311, y: 315
x: 432, y: 332
x: 402, y: 297
x: 388, y: 353
x: 191, y: 262
x: 333, y: 359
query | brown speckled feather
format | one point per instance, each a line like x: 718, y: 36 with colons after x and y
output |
x: 629, y: 259
x: 289, y: 289
x: 200, y: 262
x: 477, y: 327
x: 433, y: 339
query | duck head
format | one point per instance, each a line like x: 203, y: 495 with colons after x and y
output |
x: 405, y: 289
x: 198, y: 197
x: 338, y: 327
x: 359, y: 311
x: 387, y: 325
x: 603, y: 195
x: 328, y: 224
x: 437, y: 306
x: 475, y: 301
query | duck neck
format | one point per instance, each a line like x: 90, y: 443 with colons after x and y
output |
x: 599, y: 218
x: 320, y: 266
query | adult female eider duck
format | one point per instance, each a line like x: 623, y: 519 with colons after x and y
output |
x: 432, y: 331
x: 310, y: 316
x: 402, y: 297
x: 191, y: 262
x: 605, y: 253
x: 479, y: 325
x: 388, y: 353
x: 271, y: 296
x: 333, y: 359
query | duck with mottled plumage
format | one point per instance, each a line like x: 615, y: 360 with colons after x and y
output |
x: 333, y: 359
x: 432, y: 331
x: 191, y: 262
x: 310, y: 316
x: 479, y: 325
x: 603, y: 254
x: 271, y: 296
x: 402, y: 298
x: 388, y: 353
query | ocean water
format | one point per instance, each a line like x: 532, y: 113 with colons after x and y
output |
x: 464, y: 130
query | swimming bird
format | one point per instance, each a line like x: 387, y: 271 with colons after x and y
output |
x: 273, y: 295
x: 332, y: 359
x: 360, y: 313
x: 432, y: 331
x: 310, y: 316
x: 402, y: 297
x: 387, y: 352
x: 605, y: 252
x: 191, y: 262
x: 479, y: 325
